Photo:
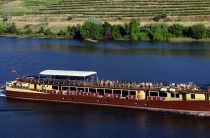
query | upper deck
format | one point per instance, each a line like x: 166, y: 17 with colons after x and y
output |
x: 90, y: 79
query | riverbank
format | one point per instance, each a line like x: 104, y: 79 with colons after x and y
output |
x: 172, y: 40
x: 95, y: 30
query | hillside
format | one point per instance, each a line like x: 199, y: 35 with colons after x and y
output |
x: 57, y: 12
x: 107, y: 8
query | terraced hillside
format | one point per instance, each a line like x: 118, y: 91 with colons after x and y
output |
x: 109, y: 8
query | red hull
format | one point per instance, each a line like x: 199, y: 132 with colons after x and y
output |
x: 197, y: 107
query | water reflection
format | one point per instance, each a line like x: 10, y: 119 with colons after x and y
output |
x: 192, y: 52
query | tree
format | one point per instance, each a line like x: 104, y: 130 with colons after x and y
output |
x: 134, y: 29
x: 176, y: 30
x: 159, y: 32
x: 74, y: 31
x: 117, y: 32
x: 11, y: 28
x: 107, y: 30
x: 198, y: 31
x: 143, y: 36
x: 92, y: 29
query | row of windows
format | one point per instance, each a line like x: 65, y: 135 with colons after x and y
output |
x: 100, y: 91
x: 163, y: 94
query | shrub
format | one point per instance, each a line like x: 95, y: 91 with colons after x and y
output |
x: 92, y: 29
x: 61, y: 33
x: 117, y: 32
x: 48, y: 31
x: 176, y: 30
x: 69, y: 18
x: 134, y: 29
x: 143, y: 36
x: 198, y: 31
x: 11, y: 28
x: 74, y: 31
x: 159, y: 17
x: 159, y: 32
x: 187, y: 31
x: 208, y: 33
x: 107, y: 30
x: 41, y: 30
x: 28, y: 31
x: 5, y: 19
x: 2, y: 28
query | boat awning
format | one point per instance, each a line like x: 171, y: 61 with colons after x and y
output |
x: 67, y: 73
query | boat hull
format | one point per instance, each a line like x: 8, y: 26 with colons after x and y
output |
x: 192, y: 107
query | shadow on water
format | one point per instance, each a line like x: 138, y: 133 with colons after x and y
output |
x: 173, y: 50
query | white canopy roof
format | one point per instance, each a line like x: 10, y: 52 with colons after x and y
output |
x: 67, y: 73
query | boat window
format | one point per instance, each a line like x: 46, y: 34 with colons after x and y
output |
x: 177, y: 95
x: 86, y: 89
x: 80, y: 89
x: 73, y: 89
x: 117, y: 91
x: 153, y: 94
x: 55, y: 87
x: 162, y: 94
x: 92, y: 90
x: 192, y: 96
x: 64, y: 88
x: 172, y: 95
x: 132, y: 92
x: 108, y: 91
x: 124, y: 93
x: 100, y: 91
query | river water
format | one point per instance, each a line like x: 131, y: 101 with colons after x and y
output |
x: 189, y: 62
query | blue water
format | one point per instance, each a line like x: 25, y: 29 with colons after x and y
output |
x: 189, y: 62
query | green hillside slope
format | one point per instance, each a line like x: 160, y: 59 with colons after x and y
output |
x: 106, y: 8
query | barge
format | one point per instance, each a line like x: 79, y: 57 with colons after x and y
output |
x: 85, y: 87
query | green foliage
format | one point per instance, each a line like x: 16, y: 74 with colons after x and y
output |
x: 28, y: 31
x: 48, y: 32
x: 107, y: 30
x: 143, y: 36
x: 208, y: 33
x: 61, y: 33
x: 11, y: 28
x: 2, y: 28
x: 117, y: 32
x: 176, y: 30
x: 134, y: 29
x: 69, y: 18
x: 159, y: 32
x: 92, y: 29
x: 74, y: 31
x: 198, y: 31
x: 5, y: 19
x: 159, y: 17
x: 41, y: 30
